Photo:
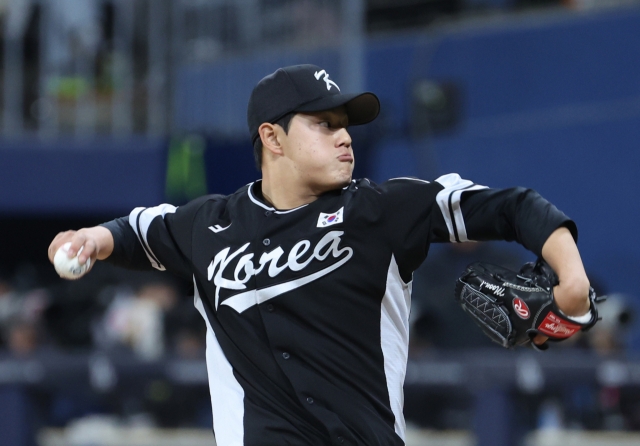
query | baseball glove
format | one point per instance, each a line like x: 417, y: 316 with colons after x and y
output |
x: 513, y: 307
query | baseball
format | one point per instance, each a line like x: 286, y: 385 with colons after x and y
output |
x: 69, y: 268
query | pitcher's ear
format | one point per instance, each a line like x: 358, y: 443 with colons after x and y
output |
x: 269, y: 135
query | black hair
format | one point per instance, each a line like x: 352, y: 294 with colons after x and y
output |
x: 285, y: 123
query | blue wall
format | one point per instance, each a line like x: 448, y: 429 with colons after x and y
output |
x: 80, y: 176
x: 552, y: 104
x: 549, y: 101
x: 106, y: 176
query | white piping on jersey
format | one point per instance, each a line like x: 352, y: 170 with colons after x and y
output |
x: 394, y: 340
x: 448, y: 200
x: 227, y: 395
x: 347, y: 186
x: 140, y: 219
x: 240, y: 302
x: 410, y: 178
x: 269, y: 208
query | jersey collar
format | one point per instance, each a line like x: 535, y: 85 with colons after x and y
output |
x: 259, y: 201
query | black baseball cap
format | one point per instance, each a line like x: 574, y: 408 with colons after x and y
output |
x: 305, y: 88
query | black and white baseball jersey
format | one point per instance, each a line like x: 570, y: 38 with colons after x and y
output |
x: 307, y: 309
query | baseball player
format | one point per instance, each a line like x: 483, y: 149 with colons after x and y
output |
x: 304, y: 277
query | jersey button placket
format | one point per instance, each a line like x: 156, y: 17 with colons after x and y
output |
x: 266, y: 242
x: 286, y: 355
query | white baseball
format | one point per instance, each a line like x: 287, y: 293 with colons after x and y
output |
x: 69, y: 268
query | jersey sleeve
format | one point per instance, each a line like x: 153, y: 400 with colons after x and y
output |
x: 515, y: 214
x: 127, y: 250
x: 420, y: 212
x: 157, y: 237
x: 452, y: 209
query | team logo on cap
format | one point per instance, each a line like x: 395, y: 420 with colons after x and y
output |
x: 325, y: 220
x: 329, y: 82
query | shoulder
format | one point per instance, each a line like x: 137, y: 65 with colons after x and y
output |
x: 394, y: 186
x: 211, y: 203
x: 450, y: 181
x: 237, y: 197
x: 397, y: 195
x: 196, y: 204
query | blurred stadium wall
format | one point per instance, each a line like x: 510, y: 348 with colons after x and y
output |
x: 111, y: 104
x: 547, y: 99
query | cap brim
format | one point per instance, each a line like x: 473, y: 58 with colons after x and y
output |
x: 361, y: 107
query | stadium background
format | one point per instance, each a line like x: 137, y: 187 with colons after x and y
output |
x: 108, y: 105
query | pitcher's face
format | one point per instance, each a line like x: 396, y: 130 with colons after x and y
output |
x: 319, y: 146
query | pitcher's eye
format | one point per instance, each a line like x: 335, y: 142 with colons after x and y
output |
x: 326, y: 124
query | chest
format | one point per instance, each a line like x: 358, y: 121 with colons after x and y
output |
x: 246, y: 256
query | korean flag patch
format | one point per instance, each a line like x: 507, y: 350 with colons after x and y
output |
x: 325, y: 220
